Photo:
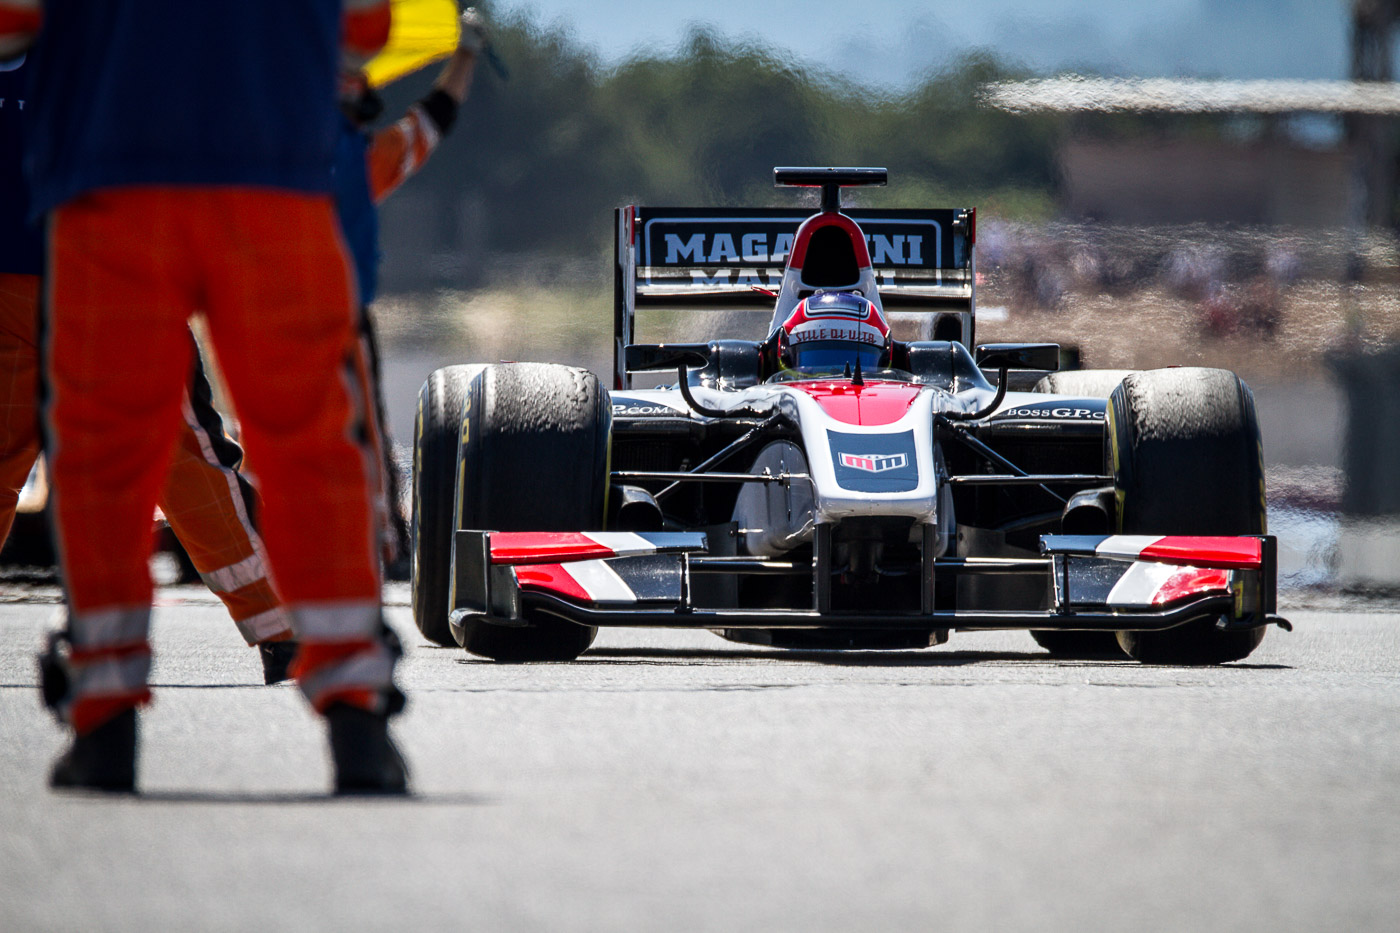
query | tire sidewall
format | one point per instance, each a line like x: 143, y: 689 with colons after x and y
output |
x: 436, y: 431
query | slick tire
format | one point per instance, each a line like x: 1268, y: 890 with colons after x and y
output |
x: 1081, y: 646
x: 1085, y: 383
x: 436, y: 431
x: 1184, y: 449
x: 533, y: 457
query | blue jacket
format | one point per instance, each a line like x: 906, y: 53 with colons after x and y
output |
x: 183, y: 92
x: 359, y: 218
x: 21, y: 241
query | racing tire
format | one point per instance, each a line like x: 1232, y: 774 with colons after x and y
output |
x: 533, y: 457
x: 436, y: 431
x: 1186, y: 456
x: 1086, y: 383
x: 1081, y: 646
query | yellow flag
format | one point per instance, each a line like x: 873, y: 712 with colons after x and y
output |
x: 423, y: 31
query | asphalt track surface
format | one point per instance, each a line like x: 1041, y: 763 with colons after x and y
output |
x: 674, y: 781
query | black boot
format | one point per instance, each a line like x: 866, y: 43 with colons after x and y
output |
x: 103, y: 759
x: 277, y: 659
x: 366, y: 761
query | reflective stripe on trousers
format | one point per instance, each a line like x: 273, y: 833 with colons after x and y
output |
x: 209, y: 506
x: 107, y: 666
x: 344, y: 655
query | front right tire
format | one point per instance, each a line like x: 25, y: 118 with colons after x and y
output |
x: 533, y: 457
x: 1186, y: 456
x: 437, y: 430
x: 510, y: 447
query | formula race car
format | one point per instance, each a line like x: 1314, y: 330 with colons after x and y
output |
x: 826, y: 485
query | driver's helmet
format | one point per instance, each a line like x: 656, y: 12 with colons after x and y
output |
x: 829, y: 332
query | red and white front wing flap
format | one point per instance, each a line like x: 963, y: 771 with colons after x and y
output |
x: 1206, y: 551
x: 1153, y: 571
x: 595, y: 568
x: 539, y: 547
x: 585, y: 581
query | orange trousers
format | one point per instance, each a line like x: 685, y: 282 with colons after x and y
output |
x: 204, y: 498
x: 127, y: 269
x: 19, y: 389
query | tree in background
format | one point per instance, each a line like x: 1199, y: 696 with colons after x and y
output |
x: 545, y: 156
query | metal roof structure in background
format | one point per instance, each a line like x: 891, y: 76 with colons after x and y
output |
x: 1371, y: 92
x: 1368, y: 105
x: 1174, y: 95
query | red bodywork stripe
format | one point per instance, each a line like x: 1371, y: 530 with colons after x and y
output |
x: 551, y: 578
x: 532, y: 547
x: 869, y: 405
x: 1191, y: 581
x: 1244, y: 553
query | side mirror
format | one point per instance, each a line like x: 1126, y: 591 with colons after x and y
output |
x: 645, y: 357
x: 1042, y: 356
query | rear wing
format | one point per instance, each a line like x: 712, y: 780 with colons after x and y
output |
x: 733, y: 257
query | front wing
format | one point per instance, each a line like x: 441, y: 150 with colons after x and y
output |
x: 1108, y: 583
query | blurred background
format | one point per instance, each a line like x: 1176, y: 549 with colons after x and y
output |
x: 1186, y: 182
x: 1241, y: 215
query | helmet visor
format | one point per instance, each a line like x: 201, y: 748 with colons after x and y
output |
x: 833, y: 356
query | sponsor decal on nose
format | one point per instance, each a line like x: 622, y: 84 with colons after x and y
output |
x: 874, y: 463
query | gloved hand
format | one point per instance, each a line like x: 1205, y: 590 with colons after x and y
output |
x: 475, y: 34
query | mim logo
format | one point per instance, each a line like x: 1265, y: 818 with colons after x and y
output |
x: 874, y: 463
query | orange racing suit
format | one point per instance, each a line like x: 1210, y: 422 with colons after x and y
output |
x: 247, y: 235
